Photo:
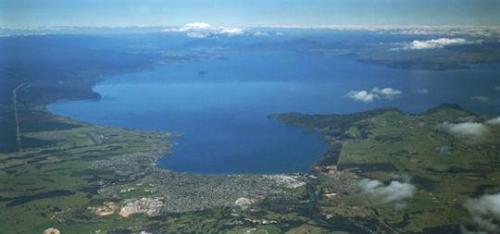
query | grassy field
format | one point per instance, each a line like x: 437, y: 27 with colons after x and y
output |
x: 68, y: 169
x: 390, y: 145
x: 49, y: 184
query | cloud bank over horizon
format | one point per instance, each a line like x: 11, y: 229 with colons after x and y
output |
x: 203, y: 30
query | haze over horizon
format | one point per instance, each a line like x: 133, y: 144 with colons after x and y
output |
x: 94, y: 13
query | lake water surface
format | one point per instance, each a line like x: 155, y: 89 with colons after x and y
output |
x: 220, y: 107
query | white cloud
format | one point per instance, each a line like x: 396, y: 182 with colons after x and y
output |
x: 448, y: 30
x: 398, y: 29
x: 395, y: 191
x: 361, y: 96
x: 376, y: 93
x: 195, y: 26
x: 435, y: 43
x: 202, y: 30
x: 467, y: 129
x: 480, y: 98
x: 494, y: 121
x: 422, y: 91
x: 387, y: 93
x: 231, y: 31
x: 485, y: 212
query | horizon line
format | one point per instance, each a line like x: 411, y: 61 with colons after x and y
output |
x: 280, y: 26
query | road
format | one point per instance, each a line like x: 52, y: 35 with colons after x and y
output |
x: 15, y: 104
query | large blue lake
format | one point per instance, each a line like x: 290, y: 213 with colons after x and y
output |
x: 220, y: 107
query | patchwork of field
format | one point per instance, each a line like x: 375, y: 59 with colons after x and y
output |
x: 52, y: 178
x: 442, y: 169
x: 81, y: 178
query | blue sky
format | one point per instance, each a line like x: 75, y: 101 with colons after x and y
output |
x: 32, y: 13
